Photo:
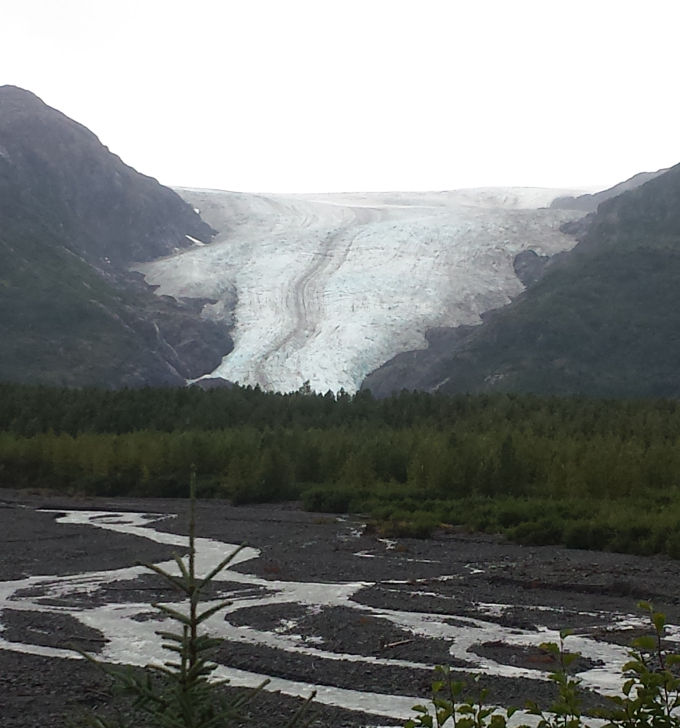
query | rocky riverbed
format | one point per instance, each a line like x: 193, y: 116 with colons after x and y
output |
x: 316, y: 603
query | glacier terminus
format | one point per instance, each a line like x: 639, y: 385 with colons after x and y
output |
x: 325, y: 288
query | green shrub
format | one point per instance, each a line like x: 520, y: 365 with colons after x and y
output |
x: 419, y: 524
x: 330, y: 499
x: 586, y: 535
x: 650, y: 692
x: 537, y: 533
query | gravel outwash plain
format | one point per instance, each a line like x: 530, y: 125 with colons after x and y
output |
x: 324, y: 605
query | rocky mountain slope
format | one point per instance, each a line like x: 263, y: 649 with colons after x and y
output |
x: 323, y: 289
x: 589, y: 202
x: 57, y: 170
x: 602, y: 320
x: 72, y: 217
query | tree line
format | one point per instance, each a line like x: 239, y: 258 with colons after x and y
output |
x: 586, y: 472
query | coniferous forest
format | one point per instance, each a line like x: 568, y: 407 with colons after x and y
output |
x: 587, y: 473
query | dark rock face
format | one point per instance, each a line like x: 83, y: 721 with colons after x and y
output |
x: 105, y: 210
x: 589, y: 203
x: 602, y: 320
x: 417, y: 369
x: 72, y: 216
x: 529, y: 266
x: 209, y: 383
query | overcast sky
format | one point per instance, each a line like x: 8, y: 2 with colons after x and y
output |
x: 328, y: 95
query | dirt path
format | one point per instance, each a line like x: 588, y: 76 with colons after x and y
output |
x: 323, y: 605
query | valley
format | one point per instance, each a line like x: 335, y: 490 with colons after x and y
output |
x: 325, y: 288
x: 330, y: 292
x: 315, y: 603
x: 325, y: 292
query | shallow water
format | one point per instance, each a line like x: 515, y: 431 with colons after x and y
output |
x: 133, y: 641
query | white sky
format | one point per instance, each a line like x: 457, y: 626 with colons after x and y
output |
x: 330, y: 95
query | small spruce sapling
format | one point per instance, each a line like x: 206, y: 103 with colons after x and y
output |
x: 179, y: 693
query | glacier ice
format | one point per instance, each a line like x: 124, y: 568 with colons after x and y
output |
x: 330, y: 286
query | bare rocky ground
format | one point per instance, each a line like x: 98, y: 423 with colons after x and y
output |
x: 547, y: 587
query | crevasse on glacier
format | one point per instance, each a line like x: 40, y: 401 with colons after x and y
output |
x: 329, y: 287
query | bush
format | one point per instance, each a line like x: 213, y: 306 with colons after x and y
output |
x: 586, y: 535
x: 537, y: 533
x: 650, y: 692
x: 414, y: 525
x: 332, y: 499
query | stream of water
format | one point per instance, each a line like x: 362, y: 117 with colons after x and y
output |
x: 129, y: 628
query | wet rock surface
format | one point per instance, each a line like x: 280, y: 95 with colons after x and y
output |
x: 344, y: 630
x: 59, y: 630
x: 473, y: 602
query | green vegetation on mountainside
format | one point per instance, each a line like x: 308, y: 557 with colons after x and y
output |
x: 604, y: 320
x: 61, y: 321
x: 72, y: 216
x: 588, y: 473
x: 604, y: 325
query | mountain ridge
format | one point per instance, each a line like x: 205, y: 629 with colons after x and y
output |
x: 352, y: 278
x: 72, y: 216
x: 108, y: 212
x: 602, y: 320
x: 590, y: 201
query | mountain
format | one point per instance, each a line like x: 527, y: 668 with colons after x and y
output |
x: 589, y: 202
x: 57, y: 171
x: 109, y: 278
x: 602, y: 320
x: 72, y: 217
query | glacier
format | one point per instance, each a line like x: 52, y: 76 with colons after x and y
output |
x: 324, y: 288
